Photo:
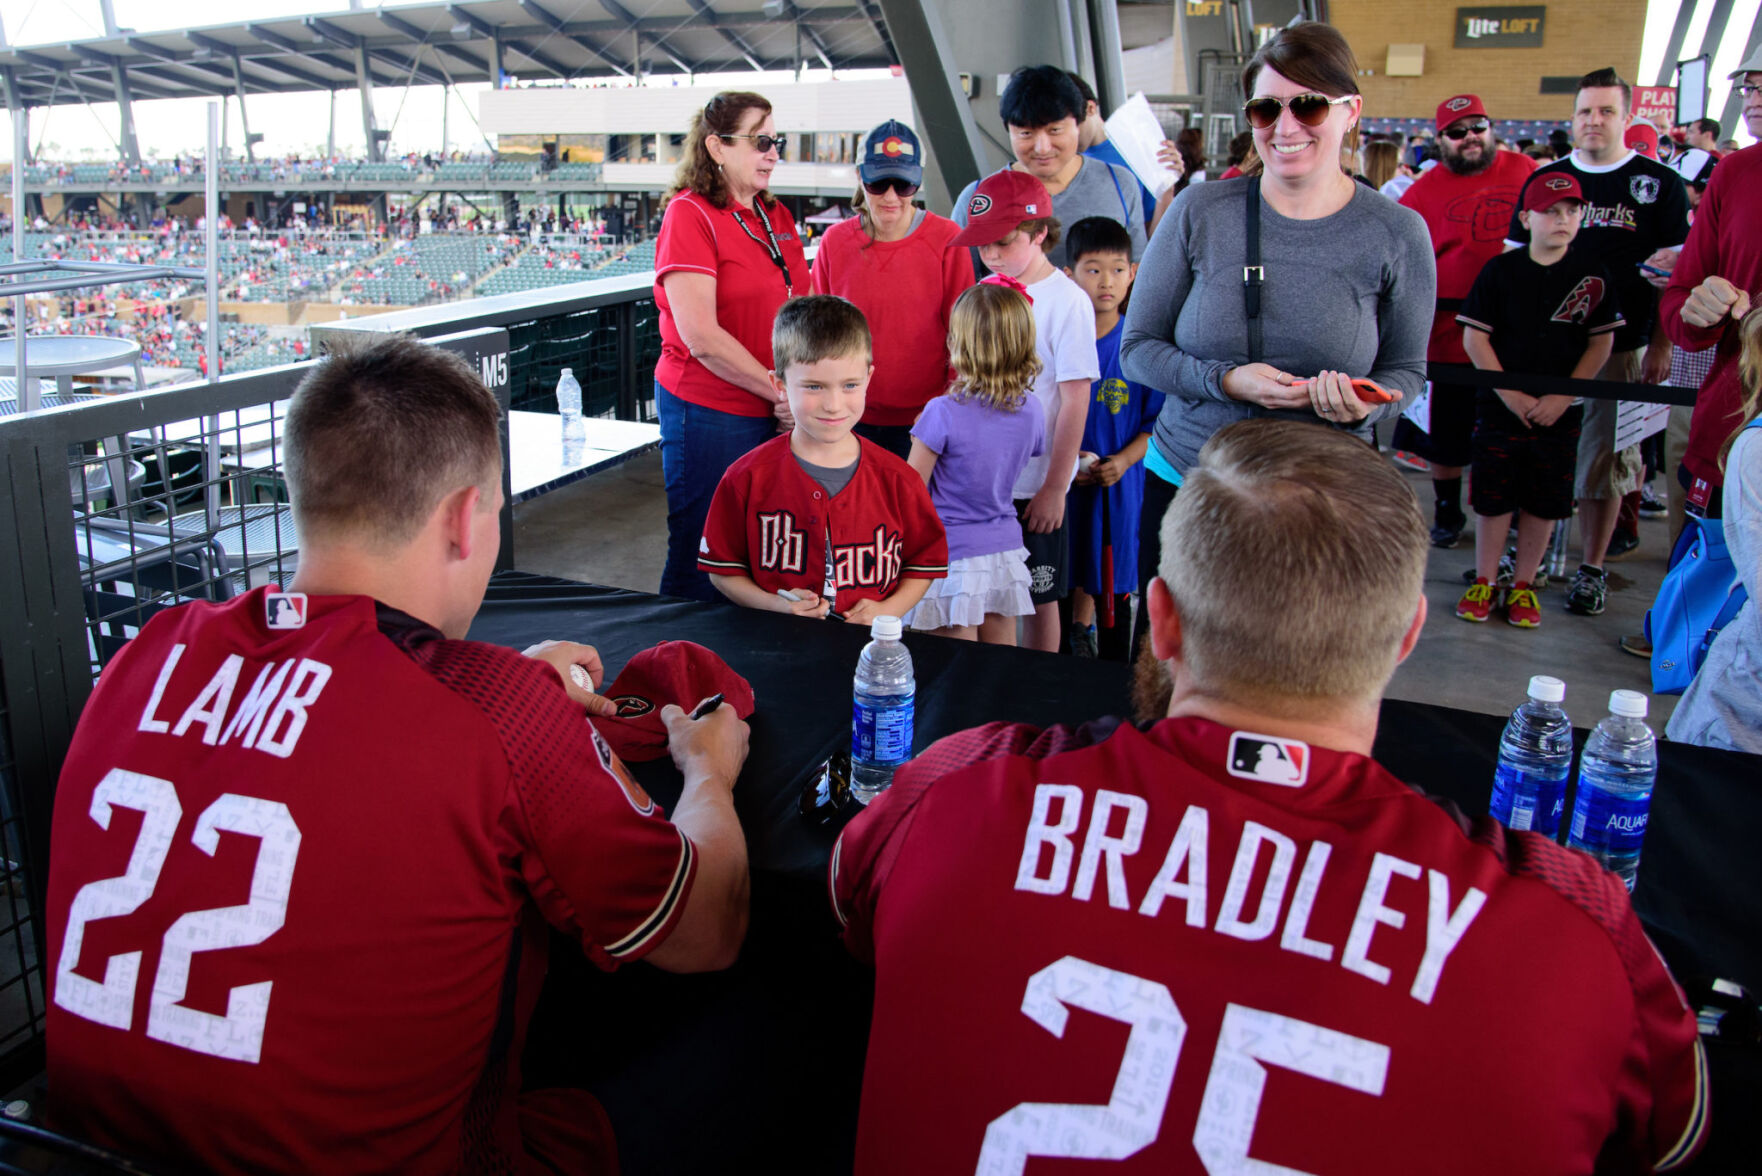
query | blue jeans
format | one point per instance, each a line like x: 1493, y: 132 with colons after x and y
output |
x: 697, y: 446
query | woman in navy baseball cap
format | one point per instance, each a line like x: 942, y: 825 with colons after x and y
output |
x: 893, y: 260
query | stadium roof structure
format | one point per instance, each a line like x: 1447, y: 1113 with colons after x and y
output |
x: 445, y: 44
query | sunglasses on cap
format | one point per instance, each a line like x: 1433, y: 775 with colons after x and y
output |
x: 903, y: 187
x: 1309, y: 109
x: 763, y: 142
x: 1457, y: 134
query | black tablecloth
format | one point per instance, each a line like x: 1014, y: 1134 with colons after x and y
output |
x: 761, y: 1065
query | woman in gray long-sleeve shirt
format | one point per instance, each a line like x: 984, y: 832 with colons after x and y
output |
x: 1348, y: 288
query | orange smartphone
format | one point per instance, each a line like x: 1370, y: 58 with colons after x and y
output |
x: 1368, y: 391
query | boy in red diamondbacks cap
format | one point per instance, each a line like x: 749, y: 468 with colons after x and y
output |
x: 1543, y: 311
x: 1010, y: 222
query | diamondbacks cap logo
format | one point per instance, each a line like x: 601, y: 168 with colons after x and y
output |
x: 639, y: 799
x: 285, y: 610
x: 1269, y: 759
x: 1557, y: 183
x: 1458, y: 104
x: 979, y: 205
x: 631, y: 706
x: 1644, y: 188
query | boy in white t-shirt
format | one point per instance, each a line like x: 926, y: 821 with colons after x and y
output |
x: 1010, y: 222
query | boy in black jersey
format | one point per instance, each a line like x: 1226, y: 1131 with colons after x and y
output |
x: 1546, y: 311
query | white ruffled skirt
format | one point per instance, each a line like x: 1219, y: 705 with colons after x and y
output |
x: 975, y: 586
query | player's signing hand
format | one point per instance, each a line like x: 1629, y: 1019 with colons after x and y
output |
x: 711, y: 748
x: 580, y: 669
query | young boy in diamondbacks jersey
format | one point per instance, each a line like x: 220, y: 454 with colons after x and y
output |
x: 819, y: 520
x: 1545, y: 310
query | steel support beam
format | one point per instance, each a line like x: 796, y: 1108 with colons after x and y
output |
x: 658, y: 42
x: 739, y: 43
x: 238, y: 78
x: 1110, y: 61
x: 561, y: 27
x: 369, y: 127
x: 299, y: 75
x: 916, y: 30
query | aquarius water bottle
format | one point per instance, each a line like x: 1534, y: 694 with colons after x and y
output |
x: 881, y: 710
x: 1535, y: 758
x: 569, y: 408
x: 1615, y: 777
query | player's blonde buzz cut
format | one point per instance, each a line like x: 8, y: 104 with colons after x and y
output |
x: 381, y: 430
x: 815, y: 327
x: 1295, y: 556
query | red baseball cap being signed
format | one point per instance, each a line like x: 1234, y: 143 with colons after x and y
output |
x: 1000, y: 203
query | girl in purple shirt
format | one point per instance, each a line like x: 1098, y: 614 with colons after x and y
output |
x: 969, y: 445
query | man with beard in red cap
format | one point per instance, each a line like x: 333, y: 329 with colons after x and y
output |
x: 1467, y: 202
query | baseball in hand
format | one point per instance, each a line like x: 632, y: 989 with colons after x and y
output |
x: 581, y: 678
x: 1087, y: 462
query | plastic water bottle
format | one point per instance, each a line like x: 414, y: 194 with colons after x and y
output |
x: 881, y: 711
x: 1615, y: 777
x: 569, y: 407
x: 1535, y: 758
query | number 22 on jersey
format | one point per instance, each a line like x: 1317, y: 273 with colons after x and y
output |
x: 1132, y: 1118
x: 238, y: 1034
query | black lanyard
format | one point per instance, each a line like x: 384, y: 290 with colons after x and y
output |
x: 769, y: 244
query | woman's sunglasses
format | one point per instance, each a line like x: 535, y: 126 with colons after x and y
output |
x: 905, y: 190
x: 763, y: 142
x: 1309, y: 109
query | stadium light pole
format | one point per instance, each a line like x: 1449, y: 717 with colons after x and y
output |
x: 211, y: 242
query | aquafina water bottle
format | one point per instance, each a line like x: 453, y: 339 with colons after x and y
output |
x: 1615, y: 778
x: 881, y: 710
x: 569, y: 408
x: 1535, y: 758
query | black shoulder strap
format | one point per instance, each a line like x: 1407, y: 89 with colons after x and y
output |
x: 1253, y: 274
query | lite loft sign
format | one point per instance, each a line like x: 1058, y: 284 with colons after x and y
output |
x: 1500, y: 28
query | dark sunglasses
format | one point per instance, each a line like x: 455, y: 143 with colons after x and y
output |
x: 1309, y: 109
x: 905, y: 189
x: 763, y: 142
x: 1458, y: 134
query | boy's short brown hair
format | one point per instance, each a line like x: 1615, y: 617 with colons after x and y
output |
x: 381, y: 431
x: 1295, y: 556
x: 815, y: 327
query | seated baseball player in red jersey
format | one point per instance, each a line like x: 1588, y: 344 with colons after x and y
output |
x: 306, y: 844
x: 820, y: 520
x: 1228, y: 941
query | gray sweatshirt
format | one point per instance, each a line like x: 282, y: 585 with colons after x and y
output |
x: 1098, y: 189
x: 1352, y: 292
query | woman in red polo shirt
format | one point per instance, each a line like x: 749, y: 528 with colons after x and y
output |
x: 892, y: 259
x: 728, y: 256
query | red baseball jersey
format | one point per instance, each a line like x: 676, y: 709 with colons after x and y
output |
x: 303, y: 856
x: 772, y: 521
x: 1467, y: 217
x: 1193, y: 949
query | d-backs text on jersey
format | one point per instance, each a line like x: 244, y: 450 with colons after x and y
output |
x: 874, y: 564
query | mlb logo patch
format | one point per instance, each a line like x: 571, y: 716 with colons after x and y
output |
x: 285, y: 610
x: 1269, y: 759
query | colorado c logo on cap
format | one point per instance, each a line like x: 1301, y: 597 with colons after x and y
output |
x: 979, y: 205
x: 1458, y: 104
x: 1557, y: 183
x: 895, y: 146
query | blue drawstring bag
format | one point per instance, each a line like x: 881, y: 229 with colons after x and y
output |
x: 1698, y: 598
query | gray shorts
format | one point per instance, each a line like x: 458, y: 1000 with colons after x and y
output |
x: 1604, y: 473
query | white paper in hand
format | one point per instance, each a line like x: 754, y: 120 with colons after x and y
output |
x: 1419, y: 409
x: 1137, y: 136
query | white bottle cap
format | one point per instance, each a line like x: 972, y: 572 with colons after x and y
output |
x: 568, y: 372
x: 885, y: 627
x: 1546, y: 689
x: 1629, y: 704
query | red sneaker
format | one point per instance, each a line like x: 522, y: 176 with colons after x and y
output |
x: 1477, y: 603
x: 1521, y: 608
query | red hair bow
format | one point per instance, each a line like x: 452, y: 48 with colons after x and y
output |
x: 1009, y: 283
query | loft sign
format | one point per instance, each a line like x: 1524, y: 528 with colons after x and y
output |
x: 1500, y: 28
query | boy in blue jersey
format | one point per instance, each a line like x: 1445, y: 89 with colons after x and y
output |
x: 1108, y: 494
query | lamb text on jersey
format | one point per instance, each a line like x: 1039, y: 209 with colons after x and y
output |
x: 269, y: 718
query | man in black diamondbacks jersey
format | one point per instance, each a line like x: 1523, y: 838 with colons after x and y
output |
x: 1634, y: 207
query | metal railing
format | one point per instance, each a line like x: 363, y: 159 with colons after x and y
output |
x: 120, y: 507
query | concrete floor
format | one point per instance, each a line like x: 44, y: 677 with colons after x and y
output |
x: 611, y: 529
